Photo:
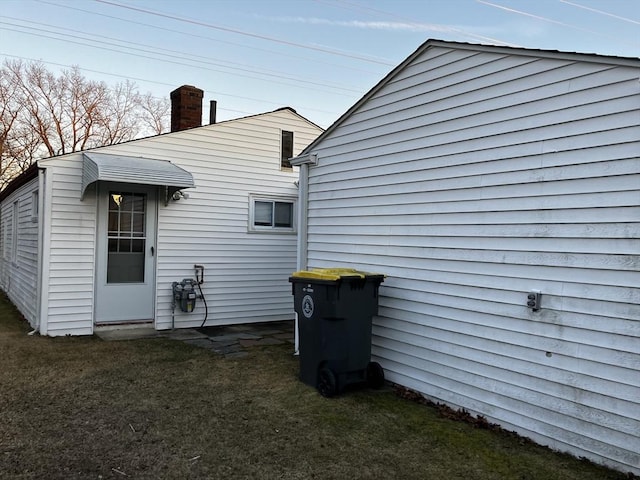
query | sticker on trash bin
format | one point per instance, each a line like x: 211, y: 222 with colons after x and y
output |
x: 307, y: 306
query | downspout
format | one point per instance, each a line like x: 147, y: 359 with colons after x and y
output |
x: 41, y: 194
x: 303, y: 219
x: 44, y: 203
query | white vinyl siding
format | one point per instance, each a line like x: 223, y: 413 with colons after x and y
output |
x: 245, y: 275
x: 69, y: 253
x: 19, y: 263
x: 470, y: 178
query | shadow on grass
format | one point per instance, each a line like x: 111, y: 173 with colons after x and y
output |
x: 78, y: 408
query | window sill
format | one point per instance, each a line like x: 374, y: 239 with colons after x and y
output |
x: 272, y: 231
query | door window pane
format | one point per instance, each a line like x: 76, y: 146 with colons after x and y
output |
x: 137, y: 246
x: 125, y: 224
x: 114, y: 201
x: 137, y: 224
x: 126, y: 237
x: 126, y: 205
x: 113, y: 223
x: 137, y: 202
x: 124, y: 245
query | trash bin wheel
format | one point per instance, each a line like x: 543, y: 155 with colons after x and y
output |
x: 375, y: 375
x: 327, y: 383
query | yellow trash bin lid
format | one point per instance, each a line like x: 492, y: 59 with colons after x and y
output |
x: 331, y: 274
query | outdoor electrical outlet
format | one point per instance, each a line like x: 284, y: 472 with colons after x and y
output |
x: 533, y: 300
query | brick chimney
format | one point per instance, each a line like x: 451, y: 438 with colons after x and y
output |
x: 186, y: 108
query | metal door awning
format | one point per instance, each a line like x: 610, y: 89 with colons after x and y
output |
x: 101, y: 167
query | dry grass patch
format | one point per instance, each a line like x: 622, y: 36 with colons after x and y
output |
x: 81, y: 408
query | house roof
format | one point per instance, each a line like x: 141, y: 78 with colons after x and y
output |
x: 25, y: 177
x: 290, y: 109
x: 32, y: 171
x: 208, y: 126
x: 582, y: 57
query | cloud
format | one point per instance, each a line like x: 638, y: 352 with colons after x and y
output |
x: 389, y: 26
x: 474, y: 32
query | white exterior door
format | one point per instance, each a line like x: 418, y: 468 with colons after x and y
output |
x: 125, y: 267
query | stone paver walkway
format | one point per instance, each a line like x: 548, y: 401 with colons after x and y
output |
x: 230, y: 341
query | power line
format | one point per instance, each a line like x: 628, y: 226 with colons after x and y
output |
x: 166, y: 53
x: 248, y: 34
x: 624, y: 19
x: 172, y: 62
x: 381, y: 13
x: 226, y: 42
x: 550, y: 20
x: 214, y: 93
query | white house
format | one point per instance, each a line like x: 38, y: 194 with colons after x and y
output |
x: 98, y: 237
x: 478, y: 176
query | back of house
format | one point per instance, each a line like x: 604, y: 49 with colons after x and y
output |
x: 98, y: 238
x: 498, y: 188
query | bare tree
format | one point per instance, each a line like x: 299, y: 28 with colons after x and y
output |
x: 119, y: 121
x: 155, y: 113
x: 16, y: 141
x: 43, y: 115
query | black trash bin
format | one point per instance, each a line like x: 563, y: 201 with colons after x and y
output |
x: 335, y: 308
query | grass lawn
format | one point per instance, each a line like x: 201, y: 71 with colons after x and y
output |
x: 81, y: 408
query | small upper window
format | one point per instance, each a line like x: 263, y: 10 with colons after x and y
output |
x: 286, y: 149
x: 5, y: 239
x: 271, y: 214
x: 34, y: 206
x: 14, y: 231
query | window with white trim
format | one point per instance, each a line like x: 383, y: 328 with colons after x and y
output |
x: 3, y: 228
x: 14, y: 231
x: 34, y: 206
x: 272, y: 214
x: 286, y: 149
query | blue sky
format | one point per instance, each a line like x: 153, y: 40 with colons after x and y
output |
x: 317, y: 56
